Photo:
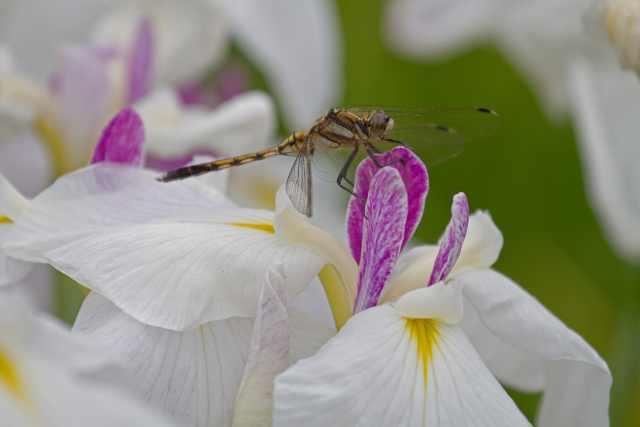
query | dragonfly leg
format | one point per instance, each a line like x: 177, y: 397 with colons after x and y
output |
x: 342, y: 176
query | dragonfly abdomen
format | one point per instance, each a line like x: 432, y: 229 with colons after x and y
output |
x: 287, y: 148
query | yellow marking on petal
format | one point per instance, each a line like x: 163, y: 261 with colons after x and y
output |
x: 339, y: 301
x: 4, y: 219
x: 425, y: 333
x: 54, y: 142
x: 267, y: 228
x: 10, y: 377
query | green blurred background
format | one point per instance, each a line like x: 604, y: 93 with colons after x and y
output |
x: 529, y: 177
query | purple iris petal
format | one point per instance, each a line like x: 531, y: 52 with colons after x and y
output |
x: 383, y: 233
x: 122, y: 140
x: 451, y: 242
x: 140, y: 61
x: 416, y: 181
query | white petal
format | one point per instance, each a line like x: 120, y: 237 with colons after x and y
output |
x: 296, y: 45
x: 13, y: 270
x: 528, y: 348
x: 439, y: 28
x: 242, y: 125
x: 605, y: 100
x: 268, y: 354
x: 372, y: 373
x: 58, y: 380
x: 167, y: 254
x: 12, y: 203
x: 439, y: 301
x: 481, y: 246
x: 192, y: 376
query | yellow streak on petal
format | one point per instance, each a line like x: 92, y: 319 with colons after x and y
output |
x: 425, y: 333
x: 4, y: 219
x: 333, y: 285
x: 9, y: 376
x: 54, y: 142
x: 267, y: 228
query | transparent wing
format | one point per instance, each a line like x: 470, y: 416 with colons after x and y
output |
x: 298, y: 185
x: 439, y: 133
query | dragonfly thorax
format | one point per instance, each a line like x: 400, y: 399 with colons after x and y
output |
x: 380, y: 125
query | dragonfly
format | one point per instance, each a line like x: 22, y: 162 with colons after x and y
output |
x: 338, y: 140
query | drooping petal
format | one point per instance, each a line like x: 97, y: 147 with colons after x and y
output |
x: 530, y: 349
x: 191, y: 376
x: 383, y: 231
x: 139, y: 61
x: 49, y: 377
x: 416, y: 180
x: 122, y: 140
x: 451, y: 242
x: 297, y: 47
x: 171, y: 255
x: 383, y: 370
x: 440, y: 301
x: 268, y: 354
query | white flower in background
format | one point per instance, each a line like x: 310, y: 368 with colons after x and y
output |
x: 49, y: 377
x: 428, y: 342
x: 541, y: 38
x: 12, y: 203
x: 571, y: 73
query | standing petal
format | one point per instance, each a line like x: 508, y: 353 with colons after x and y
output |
x: 529, y: 349
x: 122, y: 140
x: 451, y: 242
x: 416, y: 181
x: 139, y: 62
x: 385, y: 370
x: 386, y: 213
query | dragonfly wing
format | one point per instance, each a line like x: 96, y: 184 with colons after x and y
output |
x: 437, y: 134
x: 298, y: 185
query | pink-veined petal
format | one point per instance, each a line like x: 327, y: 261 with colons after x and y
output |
x: 451, y: 242
x: 122, y: 140
x: 384, y: 370
x: 530, y: 349
x: 140, y: 61
x: 268, y: 353
x: 416, y: 180
x: 383, y: 231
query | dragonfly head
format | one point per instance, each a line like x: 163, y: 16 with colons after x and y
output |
x: 380, y: 124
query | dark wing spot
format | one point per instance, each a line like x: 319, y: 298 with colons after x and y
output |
x: 443, y: 128
x: 484, y: 110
